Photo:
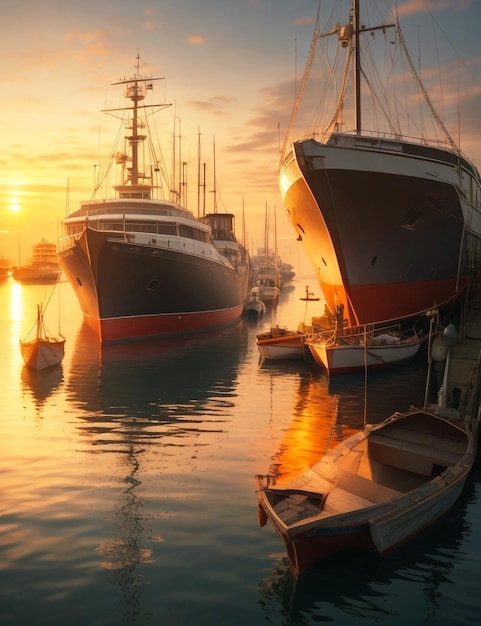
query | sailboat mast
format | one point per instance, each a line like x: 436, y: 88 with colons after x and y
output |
x: 357, y: 67
x: 215, y: 178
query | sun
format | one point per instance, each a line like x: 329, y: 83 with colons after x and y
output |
x: 15, y: 204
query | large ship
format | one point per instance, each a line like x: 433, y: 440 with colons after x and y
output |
x: 143, y: 265
x: 387, y: 206
x: 42, y: 267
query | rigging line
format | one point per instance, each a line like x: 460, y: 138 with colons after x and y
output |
x: 303, y: 83
x: 474, y: 77
x: 425, y: 94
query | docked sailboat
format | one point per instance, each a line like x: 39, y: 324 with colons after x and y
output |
x: 391, y: 222
x: 140, y: 263
x: 44, y: 350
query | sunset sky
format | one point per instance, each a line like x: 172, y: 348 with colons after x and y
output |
x: 230, y: 68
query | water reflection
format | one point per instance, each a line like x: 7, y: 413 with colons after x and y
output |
x: 135, y: 403
x: 314, y: 426
x: 382, y: 392
x: 41, y: 384
x: 357, y: 587
x: 126, y: 551
x: 161, y: 380
x: 327, y: 410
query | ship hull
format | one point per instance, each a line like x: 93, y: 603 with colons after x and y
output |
x: 133, y: 291
x: 386, y: 232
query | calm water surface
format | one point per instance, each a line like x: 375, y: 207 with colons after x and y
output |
x: 128, y: 492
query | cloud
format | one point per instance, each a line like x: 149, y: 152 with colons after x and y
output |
x: 419, y: 6
x: 303, y: 21
x: 217, y: 105
x: 91, y: 43
x: 193, y: 40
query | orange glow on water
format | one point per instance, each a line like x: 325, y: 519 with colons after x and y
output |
x: 314, y: 428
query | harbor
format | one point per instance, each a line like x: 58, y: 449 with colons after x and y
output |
x: 243, y: 386
x: 130, y: 493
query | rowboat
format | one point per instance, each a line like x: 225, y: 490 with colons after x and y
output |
x: 281, y: 343
x: 389, y: 481
x: 376, y: 490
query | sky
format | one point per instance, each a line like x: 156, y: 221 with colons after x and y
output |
x: 231, y: 70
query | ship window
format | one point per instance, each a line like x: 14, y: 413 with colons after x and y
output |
x: 193, y: 233
x: 410, y: 221
x: 153, y: 284
x: 167, y: 229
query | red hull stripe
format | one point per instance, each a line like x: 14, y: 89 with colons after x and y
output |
x: 165, y: 325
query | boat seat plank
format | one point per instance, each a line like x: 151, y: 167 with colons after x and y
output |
x: 342, y: 501
x: 431, y: 448
x: 409, y: 455
x: 424, y: 438
x: 367, y: 488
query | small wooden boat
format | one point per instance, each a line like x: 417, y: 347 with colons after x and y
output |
x: 268, y: 287
x: 355, y: 349
x: 376, y: 490
x: 45, y: 350
x: 254, y: 306
x: 281, y: 343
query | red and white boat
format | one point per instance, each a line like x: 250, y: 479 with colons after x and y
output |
x: 390, y: 222
x: 356, y: 351
x: 376, y: 490
x: 281, y: 343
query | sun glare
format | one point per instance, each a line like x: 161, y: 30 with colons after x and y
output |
x: 15, y: 204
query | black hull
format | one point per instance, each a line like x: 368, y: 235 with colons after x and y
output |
x: 129, y: 291
x: 385, y: 244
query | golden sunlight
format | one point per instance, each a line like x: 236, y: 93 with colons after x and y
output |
x: 15, y: 204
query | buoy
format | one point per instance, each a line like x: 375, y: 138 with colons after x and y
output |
x: 451, y: 335
x: 439, y: 351
x: 261, y: 516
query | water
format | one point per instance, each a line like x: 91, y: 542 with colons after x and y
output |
x: 128, y: 492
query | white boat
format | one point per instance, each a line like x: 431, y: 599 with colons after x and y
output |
x: 388, y: 482
x: 45, y: 350
x: 268, y: 281
x: 357, y: 350
x: 254, y: 305
x: 281, y: 343
x: 386, y: 205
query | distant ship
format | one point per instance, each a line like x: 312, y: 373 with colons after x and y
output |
x: 391, y: 223
x: 144, y: 266
x: 42, y: 267
x: 4, y: 269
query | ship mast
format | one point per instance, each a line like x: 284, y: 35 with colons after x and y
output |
x: 134, y: 186
x: 357, y: 68
x: 357, y: 30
